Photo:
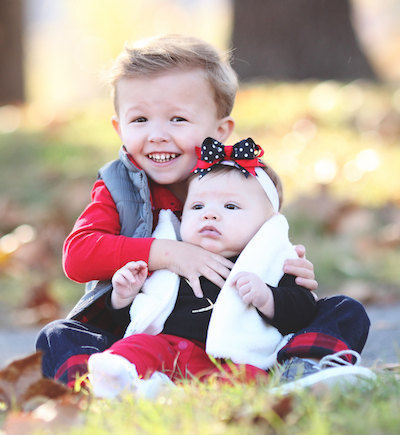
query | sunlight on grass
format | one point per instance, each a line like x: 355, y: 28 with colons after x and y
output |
x: 366, y: 409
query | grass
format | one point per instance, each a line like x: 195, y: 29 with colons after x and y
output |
x: 367, y: 409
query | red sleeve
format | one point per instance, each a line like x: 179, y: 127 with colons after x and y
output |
x: 95, y: 249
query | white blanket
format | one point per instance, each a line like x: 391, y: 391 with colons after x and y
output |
x: 236, y: 330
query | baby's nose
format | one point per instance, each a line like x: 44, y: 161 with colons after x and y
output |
x: 211, y: 215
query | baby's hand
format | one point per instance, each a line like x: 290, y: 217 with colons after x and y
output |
x: 254, y: 291
x: 127, y: 283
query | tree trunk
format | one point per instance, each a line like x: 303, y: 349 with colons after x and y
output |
x: 11, y: 52
x: 296, y: 40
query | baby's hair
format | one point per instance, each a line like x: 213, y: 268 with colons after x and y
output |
x: 223, y: 169
x: 163, y: 54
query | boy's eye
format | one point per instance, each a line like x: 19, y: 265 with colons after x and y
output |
x: 140, y: 119
x: 197, y: 206
x: 231, y: 206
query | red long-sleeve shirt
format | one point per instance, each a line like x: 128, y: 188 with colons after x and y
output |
x: 95, y: 250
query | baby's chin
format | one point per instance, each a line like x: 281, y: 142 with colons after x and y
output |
x: 227, y: 253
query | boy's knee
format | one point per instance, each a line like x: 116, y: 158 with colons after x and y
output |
x: 346, y: 305
x: 48, y: 332
x: 356, y: 309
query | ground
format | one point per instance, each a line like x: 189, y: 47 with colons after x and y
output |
x: 382, y: 347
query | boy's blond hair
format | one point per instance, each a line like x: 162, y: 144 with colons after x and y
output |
x: 161, y: 54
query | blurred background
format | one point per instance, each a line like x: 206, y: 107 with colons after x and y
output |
x: 320, y: 91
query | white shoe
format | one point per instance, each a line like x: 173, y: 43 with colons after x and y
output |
x: 111, y: 375
x: 298, y: 373
x: 158, y: 383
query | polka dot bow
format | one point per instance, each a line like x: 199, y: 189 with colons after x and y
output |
x: 244, y: 155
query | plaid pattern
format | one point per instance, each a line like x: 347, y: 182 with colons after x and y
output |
x: 97, y: 315
x: 73, y: 368
x: 312, y: 345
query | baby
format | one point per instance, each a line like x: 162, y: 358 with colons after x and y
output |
x: 231, y: 209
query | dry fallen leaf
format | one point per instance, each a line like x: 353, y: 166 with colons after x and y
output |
x: 51, y: 417
x: 274, y: 413
x: 283, y: 407
x: 22, y: 382
x: 18, y: 376
x: 36, y: 403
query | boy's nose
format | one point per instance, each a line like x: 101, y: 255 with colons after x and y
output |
x: 158, y: 134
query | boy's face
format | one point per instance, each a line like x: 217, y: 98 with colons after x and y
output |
x: 223, y: 212
x: 161, y: 119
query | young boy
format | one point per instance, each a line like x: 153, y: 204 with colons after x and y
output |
x: 235, y: 215
x: 170, y: 93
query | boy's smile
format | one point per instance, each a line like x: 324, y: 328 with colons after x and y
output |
x: 162, y: 157
x: 161, y: 119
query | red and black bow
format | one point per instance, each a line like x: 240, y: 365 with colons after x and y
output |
x: 244, y: 155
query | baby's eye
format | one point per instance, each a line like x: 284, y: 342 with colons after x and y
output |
x: 231, y: 206
x: 197, y: 206
x: 178, y: 119
x: 140, y: 119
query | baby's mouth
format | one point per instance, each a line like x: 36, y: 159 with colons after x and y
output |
x: 210, y: 231
x: 162, y: 157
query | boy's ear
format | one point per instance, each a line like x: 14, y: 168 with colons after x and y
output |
x: 115, y: 124
x: 225, y: 129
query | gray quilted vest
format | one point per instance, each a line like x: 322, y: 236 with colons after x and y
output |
x: 130, y: 191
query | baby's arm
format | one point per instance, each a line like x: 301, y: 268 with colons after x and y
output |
x: 189, y: 261
x: 254, y: 291
x: 288, y: 307
x: 127, y: 283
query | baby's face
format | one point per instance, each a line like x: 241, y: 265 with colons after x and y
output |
x: 162, y: 119
x: 223, y: 212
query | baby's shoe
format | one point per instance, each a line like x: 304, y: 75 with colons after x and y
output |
x: 110, y: 374
x: 158, y: 383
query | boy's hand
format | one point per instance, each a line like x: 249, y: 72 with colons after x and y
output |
x: 189, y: 261
x: 127, y: 283
x: 302, y: 269
x: 254, y: 291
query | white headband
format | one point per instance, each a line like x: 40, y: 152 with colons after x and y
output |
x: 269, y: 187
x: 266, y: 183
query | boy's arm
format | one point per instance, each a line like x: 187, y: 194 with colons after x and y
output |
x: 295, y: 306
x: 302, y: 269
x: 95, y: 249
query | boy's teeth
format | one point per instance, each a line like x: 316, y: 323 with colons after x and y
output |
x: 162, y: 157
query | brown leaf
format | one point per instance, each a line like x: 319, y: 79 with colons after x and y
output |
x: 22, y: 385
x: 18, y: 376
x: 283, y: 407
x: 51, y: 417
x: 48, y: 388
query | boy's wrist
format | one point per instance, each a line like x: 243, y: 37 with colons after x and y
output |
x: 160, y: 255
